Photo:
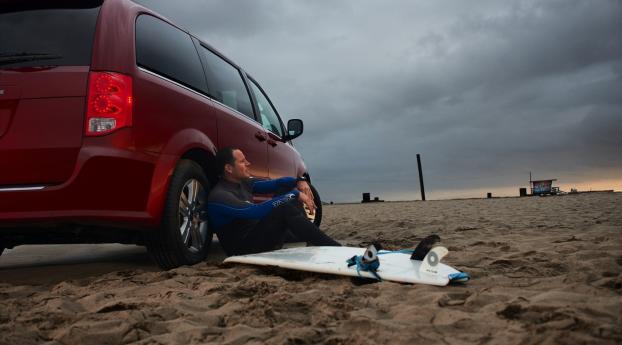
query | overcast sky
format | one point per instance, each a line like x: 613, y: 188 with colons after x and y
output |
x: 485, y: 91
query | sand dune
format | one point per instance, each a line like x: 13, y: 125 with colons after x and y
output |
x: 545, y: 271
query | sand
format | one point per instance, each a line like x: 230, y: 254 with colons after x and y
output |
x: 545, y: 271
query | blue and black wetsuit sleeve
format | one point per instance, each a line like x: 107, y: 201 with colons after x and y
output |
x: 272, y: 186
x: 225, y: 208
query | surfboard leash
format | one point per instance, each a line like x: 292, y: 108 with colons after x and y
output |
x: 401, y: 251
x: 370, y: 267
x: 367, y: 262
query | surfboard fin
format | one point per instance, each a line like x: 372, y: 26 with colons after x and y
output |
x: 371, y: 254
x: 429, y: 265
x: 368, y: 262
x: 424, y: 247
x: 367, y: 259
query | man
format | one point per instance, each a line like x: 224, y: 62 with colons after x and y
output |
x: 244, y: 227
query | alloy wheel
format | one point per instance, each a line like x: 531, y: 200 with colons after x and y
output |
x: 310, y: 216
x: 192, y: 227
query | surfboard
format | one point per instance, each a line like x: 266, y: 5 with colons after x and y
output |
x: 393, y: 265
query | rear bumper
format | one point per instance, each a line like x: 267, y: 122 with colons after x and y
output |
x: 110, y: 185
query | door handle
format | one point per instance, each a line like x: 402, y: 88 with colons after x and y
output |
x: 260, y: 136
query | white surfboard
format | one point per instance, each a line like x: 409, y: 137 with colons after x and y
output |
x: 394, y: 266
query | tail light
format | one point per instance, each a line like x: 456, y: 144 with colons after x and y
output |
x: 109, y: 104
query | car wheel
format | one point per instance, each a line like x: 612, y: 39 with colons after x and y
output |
x: 184, y: 235
x: 317, y: 217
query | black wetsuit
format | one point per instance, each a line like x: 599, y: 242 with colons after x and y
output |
x: 244, y: 227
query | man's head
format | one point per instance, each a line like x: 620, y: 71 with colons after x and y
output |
x: 232, y: 165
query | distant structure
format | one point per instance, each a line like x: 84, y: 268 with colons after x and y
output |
x: 420, y: 177
x: 544, y: 187
x: 367, y: 198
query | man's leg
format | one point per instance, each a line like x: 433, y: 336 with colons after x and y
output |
x: 268, y: 234
x: 302, y: 228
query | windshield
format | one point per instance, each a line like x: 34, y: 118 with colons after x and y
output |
x: 38, y: 33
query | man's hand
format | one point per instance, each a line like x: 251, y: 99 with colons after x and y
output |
x: 305, y: 199
x: 304, y: 188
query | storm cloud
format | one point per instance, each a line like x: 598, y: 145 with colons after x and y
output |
x: 486, y: 91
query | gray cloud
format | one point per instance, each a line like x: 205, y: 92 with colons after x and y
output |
x: 485, y: 90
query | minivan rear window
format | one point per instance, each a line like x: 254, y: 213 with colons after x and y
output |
x: 47, y: 33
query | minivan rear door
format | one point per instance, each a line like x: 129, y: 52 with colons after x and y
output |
x: 45, y: 54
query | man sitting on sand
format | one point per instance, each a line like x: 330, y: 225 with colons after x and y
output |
x: 244, y: 227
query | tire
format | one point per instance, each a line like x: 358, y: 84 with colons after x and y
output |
x: 184, y: 235
x: 317, y: 218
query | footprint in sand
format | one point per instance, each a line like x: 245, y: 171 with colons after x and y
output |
x: 453, y: 299
x: 536, y: 315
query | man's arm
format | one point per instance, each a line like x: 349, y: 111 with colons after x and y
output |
x: 227, y: 208
x: 287, y: 183
x: 271, y: 186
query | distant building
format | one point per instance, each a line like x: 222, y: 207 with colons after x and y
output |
x: 367, y: 198
x: 544, y: 187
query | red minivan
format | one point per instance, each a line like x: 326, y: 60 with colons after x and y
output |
x: 110, y: 116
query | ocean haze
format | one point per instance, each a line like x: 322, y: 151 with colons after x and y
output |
x: 485, y: 91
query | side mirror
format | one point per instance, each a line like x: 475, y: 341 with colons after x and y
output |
x: 294, y: 129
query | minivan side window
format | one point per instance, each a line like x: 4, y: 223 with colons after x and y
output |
x: 268, y: 117
x: 168, y: 51
x: 226, y: 84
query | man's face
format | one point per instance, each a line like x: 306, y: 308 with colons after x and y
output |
x: 239, y: 169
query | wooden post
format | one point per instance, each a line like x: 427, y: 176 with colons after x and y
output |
x: 420, y: 177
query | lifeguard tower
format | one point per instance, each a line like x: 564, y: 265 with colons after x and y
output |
x: 544, y: 187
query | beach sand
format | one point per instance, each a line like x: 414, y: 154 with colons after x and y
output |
x: 545, y: 270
